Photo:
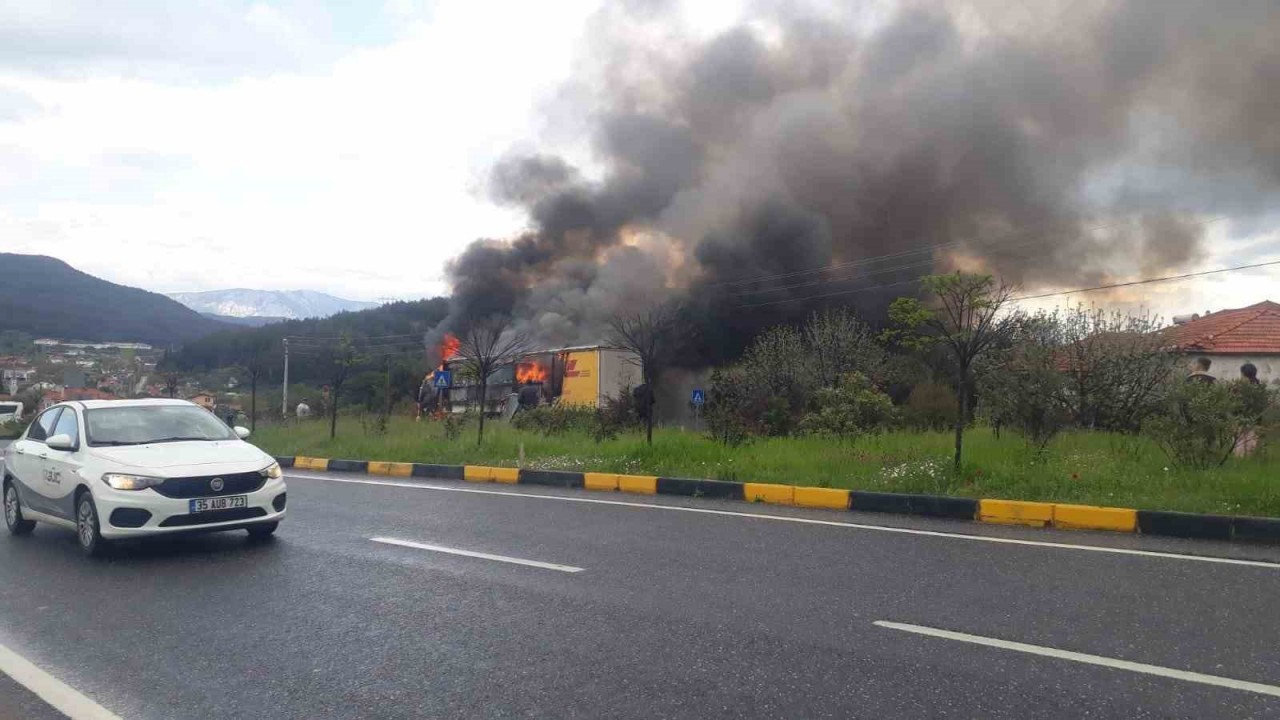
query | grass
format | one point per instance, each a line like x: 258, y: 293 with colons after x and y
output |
x: 1079, y: 467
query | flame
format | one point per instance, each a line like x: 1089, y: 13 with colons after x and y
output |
x: 530, y: 372
x: 449, y: 348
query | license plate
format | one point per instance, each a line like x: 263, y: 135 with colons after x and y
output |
x: 219, y: 503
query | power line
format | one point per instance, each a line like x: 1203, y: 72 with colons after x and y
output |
x: 1147, y: 281
x: 1144, y: 281
x: 930, y: 248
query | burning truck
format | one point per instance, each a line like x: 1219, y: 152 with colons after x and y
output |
x: 584, y: 376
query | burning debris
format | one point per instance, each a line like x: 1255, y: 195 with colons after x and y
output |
x: 1064, y: 145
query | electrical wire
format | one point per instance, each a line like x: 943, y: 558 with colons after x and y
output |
x: 862, y: 262
x: 1147, y: 281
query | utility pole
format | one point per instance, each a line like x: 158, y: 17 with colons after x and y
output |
x: 284, y: 402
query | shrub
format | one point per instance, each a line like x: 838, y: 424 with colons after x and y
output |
x: 1026, y: 392
x: 554, y: 419
x: 618, y: 414
x: 453, y: 424
x: 1199, y: 425
x: 725, y: 410
x: 930, y: 406
x: 854, y: 407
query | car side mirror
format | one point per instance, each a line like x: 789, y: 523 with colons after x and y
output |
x: 61, y: 442
x: 242, y: 432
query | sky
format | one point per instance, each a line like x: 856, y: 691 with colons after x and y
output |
x: 340, y: 147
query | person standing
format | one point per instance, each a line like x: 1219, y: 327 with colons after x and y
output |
x: 1200, y: 371
x: 1255, y: 403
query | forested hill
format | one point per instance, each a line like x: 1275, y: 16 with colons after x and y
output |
x: 46, y: 297
x: 240, y: 346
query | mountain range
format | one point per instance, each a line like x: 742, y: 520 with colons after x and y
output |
x: 46, y: 297
x: 267, y: 305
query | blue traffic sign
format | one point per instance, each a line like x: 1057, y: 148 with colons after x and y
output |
x: 443, y: 379
x: 699, y: 398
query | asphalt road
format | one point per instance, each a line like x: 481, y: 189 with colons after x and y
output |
x: 670, y: 613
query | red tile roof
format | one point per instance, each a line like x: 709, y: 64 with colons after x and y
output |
x: 1254, y: 329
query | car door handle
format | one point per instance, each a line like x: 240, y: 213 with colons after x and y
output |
x: 20, y: 451
x: 44, y: 456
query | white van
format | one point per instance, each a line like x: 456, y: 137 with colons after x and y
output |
x: 10, y: 411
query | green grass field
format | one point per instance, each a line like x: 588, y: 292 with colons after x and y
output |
x: 1079, y: 467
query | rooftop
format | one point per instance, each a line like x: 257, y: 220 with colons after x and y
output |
x: 1250, y: 330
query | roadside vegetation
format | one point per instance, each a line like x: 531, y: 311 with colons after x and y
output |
x: 960, y: 393
x: 1089, y: 467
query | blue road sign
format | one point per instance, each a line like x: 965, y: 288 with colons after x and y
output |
x: 699, y: 398
x: 443, y: 379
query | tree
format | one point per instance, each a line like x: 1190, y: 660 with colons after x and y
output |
x: 255, y: 367
x: 651, y: 335
x: 1116, y: 366
x: 341, y: 358
x: 965, y: 320
x: 1023, y: 385
x: 484, y: 346
x: 838, y: 343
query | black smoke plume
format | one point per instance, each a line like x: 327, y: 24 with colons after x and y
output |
x: 1055, y: 144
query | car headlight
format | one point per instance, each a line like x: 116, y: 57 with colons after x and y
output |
x: 120, y: 481
x: 272, y: 471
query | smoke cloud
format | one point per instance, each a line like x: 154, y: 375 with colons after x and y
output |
x: 1069, y: 143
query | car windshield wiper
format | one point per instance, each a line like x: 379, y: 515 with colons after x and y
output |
x: 113, y: 443
x: 177, y: 438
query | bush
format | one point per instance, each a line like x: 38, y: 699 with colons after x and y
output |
x: 12, y: 429
x: 453, y: 424
x: 1200, y: 424
x: 854, y: 407
x: 618, y: 414
x: 1026, y: 392
x: 554, y: 419
x: 725, y: 410
x: 930, y: 406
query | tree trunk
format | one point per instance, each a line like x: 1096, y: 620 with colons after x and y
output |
x: 333, y: 414
x: 648, y: 411
x: 962, y: 412
x: 484, y: 388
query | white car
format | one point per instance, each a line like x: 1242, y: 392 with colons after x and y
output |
x: 113, y: 469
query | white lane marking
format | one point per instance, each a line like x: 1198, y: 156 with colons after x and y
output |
x: 811, y: 521
x: 482, y: 556
x: 60, y: 695
x: 1086, y: 658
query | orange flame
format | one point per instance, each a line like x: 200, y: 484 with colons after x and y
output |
x: 449, y: 348
x: 530, y: 372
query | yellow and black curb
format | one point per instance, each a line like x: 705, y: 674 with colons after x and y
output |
x: 1006, y: 512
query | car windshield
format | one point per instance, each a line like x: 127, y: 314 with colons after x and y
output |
x: 142, y: 424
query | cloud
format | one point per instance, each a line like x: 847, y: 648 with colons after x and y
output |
x: 360, y: 177
x: 183, y: 41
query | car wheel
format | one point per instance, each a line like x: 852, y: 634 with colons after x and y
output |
x: 13, y: 512
x: 262, y: 530
x: 88, y: 531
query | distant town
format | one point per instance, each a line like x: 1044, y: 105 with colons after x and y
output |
x: 42, y: 372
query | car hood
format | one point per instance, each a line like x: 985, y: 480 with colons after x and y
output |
x: 177, y: 459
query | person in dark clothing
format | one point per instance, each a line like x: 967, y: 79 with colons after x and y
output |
x: 530, y: 396
x: 643, y: 400
x: 1249, y: 373
x: 1200, y: 371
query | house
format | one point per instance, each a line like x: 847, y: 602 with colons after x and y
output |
x: 1231, y: 338
x: 53, y: 397
x: 204, y: 400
